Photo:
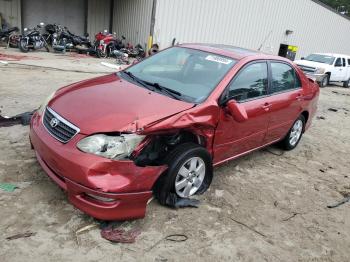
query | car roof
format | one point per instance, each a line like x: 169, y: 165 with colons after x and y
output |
x: 234, y: 52
x: 332, y: 54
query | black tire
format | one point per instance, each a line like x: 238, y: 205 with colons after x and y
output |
x: 346, y: 83
x: 325, y: 81
x: 165, y: 185
x: 286, y: 142
x: 23, y: 46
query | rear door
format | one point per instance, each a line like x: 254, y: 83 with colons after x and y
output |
x: 286, y: 96
x: 249, y: 88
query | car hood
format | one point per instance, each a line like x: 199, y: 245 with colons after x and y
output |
x: 310, y: 63
x: 112, y: 104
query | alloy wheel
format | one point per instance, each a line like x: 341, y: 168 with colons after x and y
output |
x: 190, y: 177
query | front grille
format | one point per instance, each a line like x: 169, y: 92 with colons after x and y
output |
x: 307, y: 69
x: 59, y: 127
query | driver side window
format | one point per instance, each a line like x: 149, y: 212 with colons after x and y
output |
x: 250, y: 83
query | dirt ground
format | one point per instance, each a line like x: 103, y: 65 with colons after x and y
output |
x: 267, y: 206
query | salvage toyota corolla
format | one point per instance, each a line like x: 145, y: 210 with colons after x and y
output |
x: 161, y: 125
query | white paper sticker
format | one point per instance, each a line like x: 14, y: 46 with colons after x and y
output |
x: 218, y: 59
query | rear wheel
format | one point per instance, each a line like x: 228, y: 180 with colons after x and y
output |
x: 294, y: 135
x: 23, y: 45
x: 189, y: 172
x: 325, y: 81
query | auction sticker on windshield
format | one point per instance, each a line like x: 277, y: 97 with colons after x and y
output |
x: 218, y: 59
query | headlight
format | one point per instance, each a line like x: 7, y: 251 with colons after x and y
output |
x: 102, y: 42
x: 320, y: 70
x: 44, y: 104
x: 113, y: 147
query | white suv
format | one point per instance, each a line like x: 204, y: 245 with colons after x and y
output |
x: 326, y: 68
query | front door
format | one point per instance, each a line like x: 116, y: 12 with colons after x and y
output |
x: 249, y: 88
x: 339, y: 70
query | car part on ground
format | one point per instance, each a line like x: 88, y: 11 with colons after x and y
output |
x: 20, y: 119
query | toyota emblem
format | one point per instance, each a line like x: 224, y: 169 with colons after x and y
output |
x: 54, y: 122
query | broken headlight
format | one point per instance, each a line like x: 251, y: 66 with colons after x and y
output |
x: 320, y: 70
x: 41, y: 109
x: 113, y: 147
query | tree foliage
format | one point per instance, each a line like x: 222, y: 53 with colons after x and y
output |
x: 342, y: 6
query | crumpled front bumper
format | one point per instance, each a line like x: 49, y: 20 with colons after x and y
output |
x: 317, y: 77
x: 103, y: 188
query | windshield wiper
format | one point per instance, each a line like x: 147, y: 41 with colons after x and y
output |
x: 168, y: 91
x: 137, y: 80
x: 148, y: 85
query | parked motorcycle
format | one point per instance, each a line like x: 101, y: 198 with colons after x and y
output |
x: 33, y: 39
x: 121, y: 57
x: 81, y: 43
x: 10, y: 36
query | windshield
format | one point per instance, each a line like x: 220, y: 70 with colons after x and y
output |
x: 190, y: 74
x: 320, y: 59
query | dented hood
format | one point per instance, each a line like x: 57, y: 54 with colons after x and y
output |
x: 110, y: 104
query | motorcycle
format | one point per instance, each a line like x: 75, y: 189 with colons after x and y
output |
x: 33, y: 39
x: 81, y: 43
x: 121, y: 57
x: 10, y: 36
x: 104, y: 44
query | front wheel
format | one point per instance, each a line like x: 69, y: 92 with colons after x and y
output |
x: 101, y: 54
x: 346, y: 83
x: 190, y: 172
x: 294, y: 135
x: 23, y: 45
x: 325, y: 81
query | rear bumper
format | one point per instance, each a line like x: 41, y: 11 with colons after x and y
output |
x: 102, y: 188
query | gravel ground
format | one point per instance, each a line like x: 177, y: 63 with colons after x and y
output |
x: 267, y: 206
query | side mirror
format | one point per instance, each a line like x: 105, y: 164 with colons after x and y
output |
x: 105, y: 31
x: 302, y: 58
x: 237, y: 111
x: 123, y: 37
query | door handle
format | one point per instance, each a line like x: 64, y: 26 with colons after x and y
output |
x: 266, y: 106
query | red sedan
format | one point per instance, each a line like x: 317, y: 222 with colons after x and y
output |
x: 162, y: 124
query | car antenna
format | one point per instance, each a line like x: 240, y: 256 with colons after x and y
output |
x: 263, y: 42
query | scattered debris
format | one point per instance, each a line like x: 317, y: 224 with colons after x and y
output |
x: 274, y: 152
x: 23, y: 119
x: 173, y: 238
x: 322, y: 171
x: 120, y: 235
x: 345, y: 200
x: 248, y: 227
x: 342, y: 94
x: 177, y: 238
x: 111, y: 65
x: 332, y: 109
x: 21, y: 235
x: 290, y: 217
x: 8, y: 187
x: 175, y: 201
x: 321, y: 117
x: 4, y: 62
x: 84, y: 229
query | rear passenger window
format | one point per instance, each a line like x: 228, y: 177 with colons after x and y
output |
x: 344, y: 62
x: 250, y: 83
x: 283, y: 78
x: 348, y: 62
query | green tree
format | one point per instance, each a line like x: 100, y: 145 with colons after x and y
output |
x: 342, y: 6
